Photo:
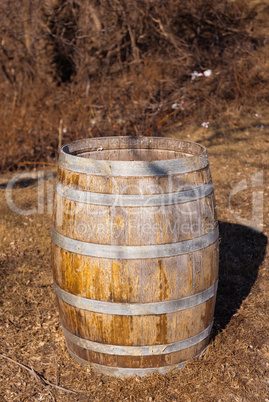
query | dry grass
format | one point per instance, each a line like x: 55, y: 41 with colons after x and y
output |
x: 116, y: 68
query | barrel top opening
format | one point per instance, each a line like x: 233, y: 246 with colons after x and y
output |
x: 133, y: 156
x: 138, y: 148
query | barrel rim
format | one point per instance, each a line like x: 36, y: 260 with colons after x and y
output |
x: 106, y: 167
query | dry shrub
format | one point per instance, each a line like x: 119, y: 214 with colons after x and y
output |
x: 116, y: 67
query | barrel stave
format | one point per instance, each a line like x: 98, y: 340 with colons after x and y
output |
x: 133, y: 185
x: 144, y: 281
x: 136, y: 330
x: 116, y: 225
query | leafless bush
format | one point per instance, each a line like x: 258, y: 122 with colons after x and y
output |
x: 116, y: 67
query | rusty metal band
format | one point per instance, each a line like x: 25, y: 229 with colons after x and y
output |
x: 134, y: 200
x: 134, y: 252
x: 126, y: 372
x: 131, y: 168
x: 131, y: 309
x: 150, y: 350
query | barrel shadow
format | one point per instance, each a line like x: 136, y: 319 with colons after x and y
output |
x: 242, y: 251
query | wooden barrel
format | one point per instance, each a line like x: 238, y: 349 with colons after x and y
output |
x: 135, y: 252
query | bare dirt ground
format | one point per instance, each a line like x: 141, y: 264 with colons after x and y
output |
x: 236, y: 364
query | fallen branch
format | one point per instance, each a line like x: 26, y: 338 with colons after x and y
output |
x: 38, y: 376
x: 149, y: 130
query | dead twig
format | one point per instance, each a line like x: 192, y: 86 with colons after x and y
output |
x: 60, y: 137
x: 149, y: 130
x: 38, y: 376
x: 37, y: 163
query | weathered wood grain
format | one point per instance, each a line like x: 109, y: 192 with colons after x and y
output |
x: 135, y: 281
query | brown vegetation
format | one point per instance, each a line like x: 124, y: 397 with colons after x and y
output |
x: 116, y: 67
